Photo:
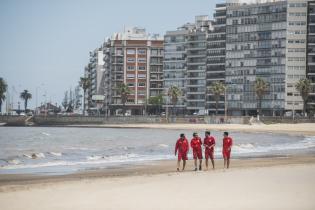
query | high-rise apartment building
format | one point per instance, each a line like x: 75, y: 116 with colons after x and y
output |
x: 311, y: 50
x: 215, y: 71
x: 175, y: 64
x: 94, y: 71
x: 134, y: 58
x: 265, y: 40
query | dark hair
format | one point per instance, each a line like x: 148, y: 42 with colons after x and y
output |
x: 182, y: 135
x: 207, y: 132
x: 195, y: 133
x: 226, y: 133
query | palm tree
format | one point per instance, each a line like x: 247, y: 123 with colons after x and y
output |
x: 261, y: 88
x: 3, y: 90
x: 124, y: 91
x: 85, y: 83
x: 156, y: 102
x: 25, y: 95
x: 174, y: 93
x: 304, y: 87
x: 217, y: 89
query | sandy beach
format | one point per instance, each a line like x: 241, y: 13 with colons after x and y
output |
x: 265, y: 183
x: 293, y: 129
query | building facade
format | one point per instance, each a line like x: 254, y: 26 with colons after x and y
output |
x: 215, y: 71
x: 311, y: 50
x: 264, y: 40
x: 94, y: 71
x: 134, y: 58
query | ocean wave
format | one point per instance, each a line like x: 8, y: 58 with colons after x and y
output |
x: 306, y: 143
x: 163, y: 145
x: 46, y: 134
x: 102, y: 161
x: 34, y: 155
x: 57, y: 154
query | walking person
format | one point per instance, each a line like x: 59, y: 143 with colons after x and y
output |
x: 209, y: 143
x: 195, y: 144
x: 182, y: 147
x: 226, y: 149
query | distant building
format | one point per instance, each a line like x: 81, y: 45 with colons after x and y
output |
x: 94, y: 71
x: 266, y: 40
x: 216, y: 58
x: 311, y: 49
x: 135, y: 58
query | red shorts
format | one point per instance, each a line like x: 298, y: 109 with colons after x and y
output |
x: 182, y: 156
x: 226, y: 154
x: 209, y: 153
x: 197, y: 153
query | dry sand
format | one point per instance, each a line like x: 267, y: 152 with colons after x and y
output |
x: 270, y: 183
x: 294, y: 129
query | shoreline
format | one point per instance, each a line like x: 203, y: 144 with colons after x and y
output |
x: 291, y: 129
x: 279, y: 128
x: 272, y: 183
x: 9, y: 182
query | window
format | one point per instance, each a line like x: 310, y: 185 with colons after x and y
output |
x: 141, y: 84
x: 131, y: 51
x: 141, y: 68
x: 119, y: 51
x: 142, y: 51
x: 289, y: 94
x: 131, y: 60
x: 142, y: 60
x: 141, y: 76
x: 131, y: 84
x: 129, y: 76
x: 130, y: 68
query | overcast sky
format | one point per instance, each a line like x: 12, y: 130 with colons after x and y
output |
x: 45, y: 44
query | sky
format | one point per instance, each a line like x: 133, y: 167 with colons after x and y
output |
x: 45, y: 44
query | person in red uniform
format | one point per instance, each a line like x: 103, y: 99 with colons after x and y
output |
x: 182, y: 147
x: 209, y: 143
x: 195, y: 144
x: 226, y: 149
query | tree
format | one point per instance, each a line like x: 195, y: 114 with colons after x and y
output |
x: 77, y: 97
x: 3, y: 90
x: 261, y: 87
x: 304, y: 87
x: 65, y: 101
x: 124, y: 91
x: 174, y: 93
x: 156, y: 102
x: 25, y: 95
x: 85, y: 83
x: 217, y: 89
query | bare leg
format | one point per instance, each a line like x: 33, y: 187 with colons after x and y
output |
x: 178, y: 165
x: 184, y: 164
x: 224, y: 162
x: 228, y: 162
x: 200, y: 164
x: 212, y: 161
x: 195, y: 163
x: 207, y: 164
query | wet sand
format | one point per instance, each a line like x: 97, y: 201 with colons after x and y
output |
x: 293, y: 129
x: 263, y: 183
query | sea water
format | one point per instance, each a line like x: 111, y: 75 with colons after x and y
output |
x: 60, y: 150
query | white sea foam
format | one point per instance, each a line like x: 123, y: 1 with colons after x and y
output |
x: 163, y: 145
x: 14, y: 161
x: 34, y: 155
x: 57, y: 154
x: 102, y: 161
x: 46, y: 134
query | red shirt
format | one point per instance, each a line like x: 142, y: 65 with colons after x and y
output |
x: 209, y: 141
x: 227, y: 143
x: 196, y: 143
x: 182, y: 146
